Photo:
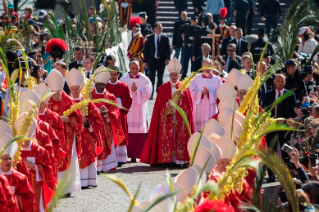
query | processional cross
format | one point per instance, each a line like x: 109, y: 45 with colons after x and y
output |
x: 213, y: 36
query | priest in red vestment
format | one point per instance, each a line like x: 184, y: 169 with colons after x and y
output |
x: 168, y: 136
x: 19, y: 183
x: 38, y: 161
x: 59, y: 103
x: 7, y: 200
x: 111, y: 131
x: 124, y: 98
x: 92, y: 123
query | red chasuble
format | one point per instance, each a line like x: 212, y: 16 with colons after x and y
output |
x: 22, y: 190
x: 71, y: 129
x: 90, y: 140
x: 44, y: 140
x: 40, y: 157
x: 122, y: 91
x: 113, y: 128
x: 55, y: 121
x: 162, y: 141
x: 7, y: 200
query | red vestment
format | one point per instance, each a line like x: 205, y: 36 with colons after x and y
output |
x: 122, y: 91
x: 7, y: 200
x: 235, y: 199
x: 162, y: 140
x: 72, y: 129
x: 22, y: 190
x: 113, y: 128
x: 55, y: 121
x: 89, y: 139
x: 47, y: 185
x: 44, y: 140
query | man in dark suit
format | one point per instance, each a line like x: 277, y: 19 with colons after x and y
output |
x: 79, y: 56
x: 231, y: 30
x: 242, y: 45
x: 258, y: 46
x: 283, y: 110
x: 157, y: 51
x: 266, y: 86
x: 61, y: 67
x: 177, y: 36
x: 205, y: 54
x: 201, y: 37
x: 231, y: 59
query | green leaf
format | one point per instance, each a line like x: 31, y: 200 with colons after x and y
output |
x: 17, y: 138
x: 182, y: 113
x: 120, y: 183
x: 192, y: 157
x: 160, y: 199
x: 133, y: 201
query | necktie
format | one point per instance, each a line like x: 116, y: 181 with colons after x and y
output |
x: 88, y: 75
x: 278, y: 106
x: 227, y: 64
x: 157, y: 44
x: 239, y: 52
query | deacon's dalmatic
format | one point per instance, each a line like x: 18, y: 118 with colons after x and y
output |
x: 111, y: 129
x: 59, y: 103
x: 91, y: 137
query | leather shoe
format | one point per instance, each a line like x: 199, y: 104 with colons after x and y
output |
x: 271, y: 179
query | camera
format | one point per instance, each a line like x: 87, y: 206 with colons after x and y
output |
x: 287, y: 148
x: 313, y: 157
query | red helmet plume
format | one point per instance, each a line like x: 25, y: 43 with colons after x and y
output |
x: 56, y: 47
x: 223, y: 13
x: 135, y: 20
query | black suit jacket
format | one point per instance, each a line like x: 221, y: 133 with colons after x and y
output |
x: 149, y: 49
x: 73, y: 65
x: 285, y: 109
x: 233, y: 64
x: 262, y: 92
x: 66, y: 88
x: 225, y: 43
x: 243, y: 46
x: 198, y: 62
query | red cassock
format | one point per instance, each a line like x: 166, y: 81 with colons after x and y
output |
x: 162, y: 138
x: 22, y: 190
x: 71, y: 129
x: 112, y: 129
x: 90, y: 140
x: 44, y: 140
x: 122, y: 91
x: 7, y: 200
x: 55, y: 121
x: 41, y: 158
x: 235, y: 199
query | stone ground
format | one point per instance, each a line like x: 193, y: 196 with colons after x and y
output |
x: 111, y: 198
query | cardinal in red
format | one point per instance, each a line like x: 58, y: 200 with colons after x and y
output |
x: 168, y: 136
x: 92, y: 123
x: 59, y: 103
x: 124, y: 98
x: 7, y: 200
x: 111, y: 131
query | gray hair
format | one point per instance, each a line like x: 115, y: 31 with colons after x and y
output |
x: 246, y: 57
x: 207, y: 45
x: 232, y: 45
x: 208, y: 60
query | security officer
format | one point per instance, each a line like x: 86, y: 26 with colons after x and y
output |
x: 310, y: 85
x: 177, y: 39
x: 146, y: 28
x: 201, y: 37
x: 257, y: 46
x: 188, y: 32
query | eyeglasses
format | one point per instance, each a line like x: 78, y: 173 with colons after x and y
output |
x: 230, y: 50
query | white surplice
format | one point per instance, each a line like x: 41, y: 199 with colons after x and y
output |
x: 137, y: 117
x: 204, y: 106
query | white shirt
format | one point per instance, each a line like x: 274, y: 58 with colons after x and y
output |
x: 82, y: 62
x: 155, y: 41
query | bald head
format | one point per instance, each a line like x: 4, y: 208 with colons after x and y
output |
x: 184, y: 15
x: 262, y: 67
x: 232, y: 30
x: 280, y: 82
